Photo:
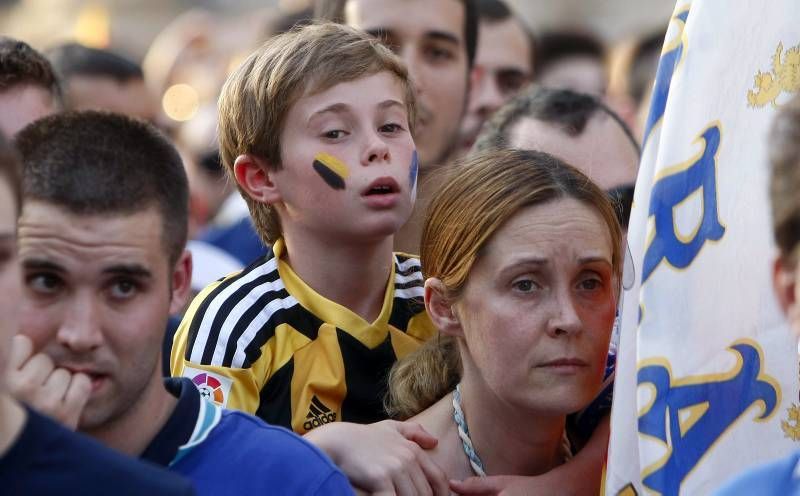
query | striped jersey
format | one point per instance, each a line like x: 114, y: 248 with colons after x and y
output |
x: 264, y: 342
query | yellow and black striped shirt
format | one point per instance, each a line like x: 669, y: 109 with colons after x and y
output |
x: 263, y: 341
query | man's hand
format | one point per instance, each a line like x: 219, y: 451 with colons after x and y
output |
x: 383, y: 458
x: 34, y: 379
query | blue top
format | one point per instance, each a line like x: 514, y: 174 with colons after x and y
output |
x: 777, y: 478
x: 230, y: 452
x: 48, y: 459
x: 239, y: 239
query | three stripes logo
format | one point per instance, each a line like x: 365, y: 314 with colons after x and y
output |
x: 318, y: 414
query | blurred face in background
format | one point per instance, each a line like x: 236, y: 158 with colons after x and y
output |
x: 101, y: 93
x: 22, y: 104
x: 580, y: 73
x: 428, y: 35
x: 503, y: 66
x: 602, y: 151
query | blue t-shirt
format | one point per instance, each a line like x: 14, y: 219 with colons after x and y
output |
x: 239, y: 240
x: 780, y: 478
x: 229, y: 452
x: 48, y: 459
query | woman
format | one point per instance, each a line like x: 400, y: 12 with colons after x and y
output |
x: 522, y: 259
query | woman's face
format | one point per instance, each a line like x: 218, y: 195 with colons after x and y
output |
x: 538, y: 307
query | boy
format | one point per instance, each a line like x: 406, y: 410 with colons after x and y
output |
x: 315, y: 127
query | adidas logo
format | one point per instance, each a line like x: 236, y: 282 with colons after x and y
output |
x: 318, y: 414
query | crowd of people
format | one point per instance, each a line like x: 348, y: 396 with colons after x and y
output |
x: 384, y: 256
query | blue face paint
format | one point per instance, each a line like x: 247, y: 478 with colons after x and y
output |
x: 412, y: 176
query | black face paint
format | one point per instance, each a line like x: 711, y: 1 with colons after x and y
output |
x: 331, y: 170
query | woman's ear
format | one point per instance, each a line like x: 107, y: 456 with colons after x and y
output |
x: 257, y: 179
x: 440, y: 308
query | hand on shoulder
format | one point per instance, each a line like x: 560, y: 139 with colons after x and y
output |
x: 386, y: 457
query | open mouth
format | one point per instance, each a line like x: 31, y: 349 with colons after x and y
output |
x: 382, y: 186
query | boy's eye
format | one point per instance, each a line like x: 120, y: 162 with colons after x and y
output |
x: 391, y: 128
x: 333, y: 134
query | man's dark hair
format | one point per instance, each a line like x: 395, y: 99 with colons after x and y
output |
x: 9, y: 170
x: 333, y: 10
x: 554, y: 46
x: 21, y: 65
x: 99, y: 163
x: 784, y: 158
x: 493, y: 11
x: 74, y: 59
x: 564, y: 109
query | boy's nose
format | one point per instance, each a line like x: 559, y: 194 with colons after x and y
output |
x: 376, y: 151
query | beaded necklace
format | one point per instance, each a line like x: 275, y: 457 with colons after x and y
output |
x: 463, y: 433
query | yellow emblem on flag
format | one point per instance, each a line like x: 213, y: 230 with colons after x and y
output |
x: 791, y: 426
x: 784, y: 77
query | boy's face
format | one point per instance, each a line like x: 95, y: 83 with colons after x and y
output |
x: 97, y: 293
x: 348, y: 162
x: 429, y: 36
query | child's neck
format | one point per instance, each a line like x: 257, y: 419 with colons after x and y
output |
x: 352, y: 275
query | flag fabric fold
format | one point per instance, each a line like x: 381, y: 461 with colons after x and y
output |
x: 707, y: 375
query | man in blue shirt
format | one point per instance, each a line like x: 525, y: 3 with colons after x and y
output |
x: 38, y: 456
x: 101, y: 241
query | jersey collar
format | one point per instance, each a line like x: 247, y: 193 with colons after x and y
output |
x: 370, y: 334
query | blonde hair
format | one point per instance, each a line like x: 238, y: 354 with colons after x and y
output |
x: 481, y: 194
x: 257, y: 97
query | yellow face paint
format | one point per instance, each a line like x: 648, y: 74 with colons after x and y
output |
x: 332, y: 170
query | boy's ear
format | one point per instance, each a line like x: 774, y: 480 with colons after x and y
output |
x: 440, y: 308
x: 256, y: 179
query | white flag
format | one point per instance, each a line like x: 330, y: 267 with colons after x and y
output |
x: 707, y: 378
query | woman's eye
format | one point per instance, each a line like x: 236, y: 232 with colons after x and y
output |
x: 591, y: 284
x: 525, y: 285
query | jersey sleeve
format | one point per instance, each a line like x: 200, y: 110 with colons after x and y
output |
x: 237, y: 388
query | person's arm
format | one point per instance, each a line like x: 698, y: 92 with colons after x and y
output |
x: 580, y: 476
x: 34, y: 379
x: 383, y: 458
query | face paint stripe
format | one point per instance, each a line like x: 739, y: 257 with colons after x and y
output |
x: 331, y: 170
x: 412, y: 176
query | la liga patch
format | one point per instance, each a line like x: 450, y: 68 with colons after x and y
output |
x: 213, y: 387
